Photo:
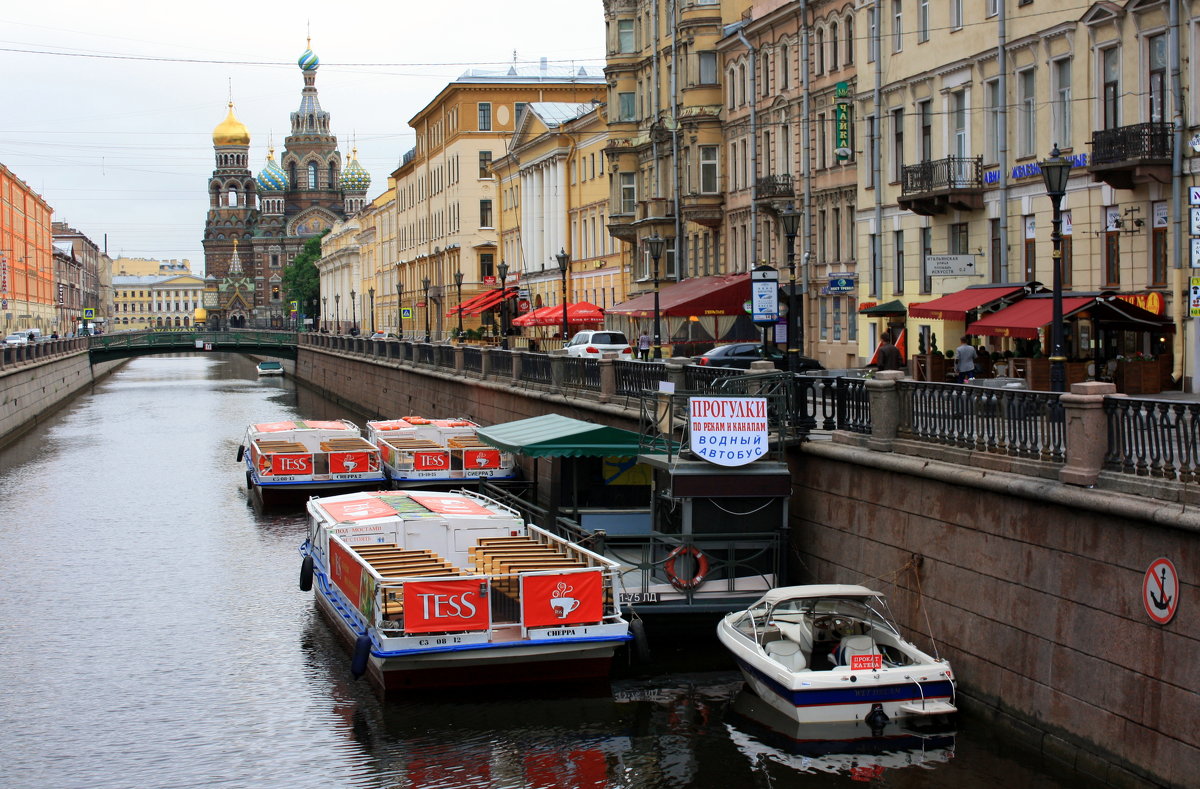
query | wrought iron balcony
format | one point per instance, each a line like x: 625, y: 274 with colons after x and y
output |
x: 773, y: 187
x: 1129, y: 155
x: 939, y: 185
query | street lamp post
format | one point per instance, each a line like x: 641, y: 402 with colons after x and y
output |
x: 371, y: 293
x: 337, y: 311
x: 458, y: 278
x: 789, y: 217
x: 325, y: 313
x: 399, y: 309
x: 564, y: 263
x: 502, y: 270
x: 1055, y: 171
x: 353, y: 314
x: 425, y: 285
x: 655, y: 244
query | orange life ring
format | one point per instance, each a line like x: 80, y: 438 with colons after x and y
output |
x: 701, y: 568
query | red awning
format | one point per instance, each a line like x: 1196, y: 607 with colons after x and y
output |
x: 1024, y: 318
x: 955, y: 306
x: 535, y: 317
x: 490, y: 300
x: 696, y: 296
x: 577, y: 313
x: 478, y: 297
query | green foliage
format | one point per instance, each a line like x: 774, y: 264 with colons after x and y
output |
x: 301, y: 280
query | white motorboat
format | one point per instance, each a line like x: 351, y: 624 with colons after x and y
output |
x: 452, y: 589
x: 270, y: 368
x: 827, y: 653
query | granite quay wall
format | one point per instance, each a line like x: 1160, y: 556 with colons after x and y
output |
x: 1031, y: 588
x: 38, y: 379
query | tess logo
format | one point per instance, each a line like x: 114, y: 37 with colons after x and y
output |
x: 439, y: 606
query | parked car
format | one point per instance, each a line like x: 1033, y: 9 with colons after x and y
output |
x: 17, y: 338
x: 594, y: 344
x: 741, y: 354
x: 384, y: 335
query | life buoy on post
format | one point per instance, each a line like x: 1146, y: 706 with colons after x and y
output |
x: 686, y: 585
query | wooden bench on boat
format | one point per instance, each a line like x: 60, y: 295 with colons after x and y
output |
x: 346, y: 445
x: 280, y: 447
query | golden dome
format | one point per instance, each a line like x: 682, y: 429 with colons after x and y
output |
x: 231, y: 131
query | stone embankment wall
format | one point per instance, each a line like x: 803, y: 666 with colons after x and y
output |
x: 1032, y: 589
x: 33, y: 387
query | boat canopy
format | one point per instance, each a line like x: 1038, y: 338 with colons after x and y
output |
x: 554, y: 435
x: 782, y: 593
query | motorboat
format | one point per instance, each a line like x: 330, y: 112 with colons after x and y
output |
x: 308, y: 456
x: 270, y: 368
x: 419, y: 452
x: 828, y: 653
x: 438, y: 589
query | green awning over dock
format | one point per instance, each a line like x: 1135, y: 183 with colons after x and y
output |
x: 554, y: 435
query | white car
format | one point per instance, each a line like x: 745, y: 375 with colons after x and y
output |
x: 594, y: 344
x: 17, y: 338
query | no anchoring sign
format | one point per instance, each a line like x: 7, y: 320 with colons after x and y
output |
x: 1160, y: 590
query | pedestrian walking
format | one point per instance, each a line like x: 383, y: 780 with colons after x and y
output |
x: 888, y: 355
x: 644, y: 347
x: 964, y: 360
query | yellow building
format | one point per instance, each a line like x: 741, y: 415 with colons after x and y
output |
x: 446, y: 197
x: 554, y: 200
x: 959, y: 104
x: 152, y: 301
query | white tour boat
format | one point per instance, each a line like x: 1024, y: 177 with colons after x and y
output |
x: 308, y: 455
x: 827, y: 653
x: 442, y: 589
x: 270, y: 368
x: 419, y: 451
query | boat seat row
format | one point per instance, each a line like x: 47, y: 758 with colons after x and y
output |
x: 854, y: 646
x: 788, y: 654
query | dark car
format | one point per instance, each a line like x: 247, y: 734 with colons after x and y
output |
x: 740, y: 354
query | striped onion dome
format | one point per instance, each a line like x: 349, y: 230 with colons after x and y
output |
x: 272, y: 178
x: 308, y: 61
x: 355, y: 178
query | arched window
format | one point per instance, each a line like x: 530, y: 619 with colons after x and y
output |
x: 849, y: 40
x: 332, y: 175
x: 292, y: 175
x: 312, y: 175
x: 231, y: 198
x: 833, y: 47
x: 820, y: 53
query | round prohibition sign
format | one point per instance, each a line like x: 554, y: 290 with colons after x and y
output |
x: 1160, y: 590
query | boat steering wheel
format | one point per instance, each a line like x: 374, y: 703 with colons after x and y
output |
x: 834, y: 624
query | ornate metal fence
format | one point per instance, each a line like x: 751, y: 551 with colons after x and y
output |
x: 853, y: 406
x: 1014, y: 422
x: 636, y: 377
x: 581, y: 373
x: 535, y: 368
x: 473, y: 359
x: 1153, y: 438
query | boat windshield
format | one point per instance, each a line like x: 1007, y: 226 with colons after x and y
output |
x: 866, y: 609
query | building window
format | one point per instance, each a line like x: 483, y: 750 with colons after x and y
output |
x: 709, y: 182
x: 993, y: 7
x: 1157, y: 58
x: 485, y: 164
x: 625, y: 107
x: 926, y: 251
x: 998, y: 272
x: 872, y: 30
x: 486, y: 268
x: 850, y: 52
x: 1030, y: 257
x: 869, y: 174
x: 833, y: 47
x: 960, y: 239
x: 897, y: 25
x: 785, y: 67
x: 314, y: 180
x: 820, y: 51
x: 485, y: 116
x: 897, y: 143
x: 1158, y: 246
x: 1027, y: 136
x: 898, y: 262
x: 708, y: 68
x: 1062, y: 103
x: 628, y: 187
x: 1112, y: 259
x: 518, y: 109
x: 1110, y: 92
x: 923, y: 21
x: 485, y: 213
x: 992, y: 113
x: 625, y: 42
x: 956, y: 14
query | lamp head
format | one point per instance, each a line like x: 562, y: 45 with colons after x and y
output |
x: 458, y: 278
x: 789, y: 217
x: 352, y: 294
x: 1055, y: 172
x: 425, y: 283
x: 655, y: 244
x: 502, y: 270
x: 563, y: 259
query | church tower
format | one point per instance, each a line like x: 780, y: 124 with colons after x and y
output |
x: 311, y: 160
x: 232, y: 196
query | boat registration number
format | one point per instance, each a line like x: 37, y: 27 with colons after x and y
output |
x: 639, y: 597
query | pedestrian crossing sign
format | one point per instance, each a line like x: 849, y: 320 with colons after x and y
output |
x: 406, y: 313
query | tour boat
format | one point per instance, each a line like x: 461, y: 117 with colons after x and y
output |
x: 309, y: 456
x: 441, y: 589
x: 422, y: 452
x: 827, y: 653
x: 270, y: 368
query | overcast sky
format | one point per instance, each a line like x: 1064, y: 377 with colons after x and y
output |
x: 109, y: 107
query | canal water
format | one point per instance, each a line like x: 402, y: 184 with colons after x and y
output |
x: 152, y: 634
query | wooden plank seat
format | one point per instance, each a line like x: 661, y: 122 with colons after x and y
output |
x: 516, y: 565
x: 420, y: 570
x: 502, y: 550
x: 507, y: 540
x: 392, y: 550
x: 278, y: 447
x: 374, y: 548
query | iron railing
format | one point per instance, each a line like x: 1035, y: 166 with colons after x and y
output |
x: 1153, y: 438
x: 1132, y: 143
x: 473, y: 359
x: 581, y: 373
x: 769, y: 186
x: 853, y: 405
x: 633, y: 378
x: 1013, y: 422
x: 536, y: 368
x: 942, y: 175
x: 501, y: 363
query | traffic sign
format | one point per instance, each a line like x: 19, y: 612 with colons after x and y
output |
x: 89, y: 313
x: 764, y: 295
x: 1160, y: 590
x: 406, y: 313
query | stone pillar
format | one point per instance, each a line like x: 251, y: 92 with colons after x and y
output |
x: 1086, y: 432
x: 885, y: 409
x: 676, y: 375
x: 608, y: 378
x: 485, y: 364
x: 458, y: 358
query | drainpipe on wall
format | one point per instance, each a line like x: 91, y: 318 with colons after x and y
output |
x: 877, y: 98
x: 680, y: 241
x: 753, y: 100
x: 806, y: 174
x: 1178, y: 345
x: 1002, y: 139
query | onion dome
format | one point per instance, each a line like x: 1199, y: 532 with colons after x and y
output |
x: 272, y: 178
x: 231, y: 131
x: 355, y: 178
x: 308, y: 61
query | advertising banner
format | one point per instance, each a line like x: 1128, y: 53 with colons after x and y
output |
x: 728, y: 431
x: 347, y: 574
x: 352, y: 462
x: 287, y: 465
x: 449, y: 505
x: 481, y: 458
x: 562, y: 598
x: 446, y: 606
x: 431, y: 461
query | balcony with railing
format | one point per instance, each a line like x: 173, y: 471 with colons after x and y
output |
x: 703, y: 209
x: 780, y: 186
x: 1129, y: 155
x: 942, y: 185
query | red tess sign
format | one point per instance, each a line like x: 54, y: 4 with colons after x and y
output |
x: 446, y: 606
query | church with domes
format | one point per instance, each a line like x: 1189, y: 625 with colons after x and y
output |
x: 256, y: 225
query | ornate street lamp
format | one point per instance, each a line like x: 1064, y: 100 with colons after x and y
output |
x: 458, y: 278
x: 655, y: 244
x: 789, y: 218
x: 564, y: 263
x: 502, y: 270
x: 399, y: 309
x: 353, y: 314
x: 337, y: 311
x: 1055, y: 171
x: 371, y: 292
x: 325, y: 313
x: 425, y: 285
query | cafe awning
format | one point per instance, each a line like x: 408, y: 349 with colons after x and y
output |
x: 955, y: 306
x: 697, y: 296
x: 554, y: 435
x: 1024, y: 318
x: 888, y: 308
x: 577, y: 313
x: 488, y: 301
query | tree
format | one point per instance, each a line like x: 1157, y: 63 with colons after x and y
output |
x: 301, y: 280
